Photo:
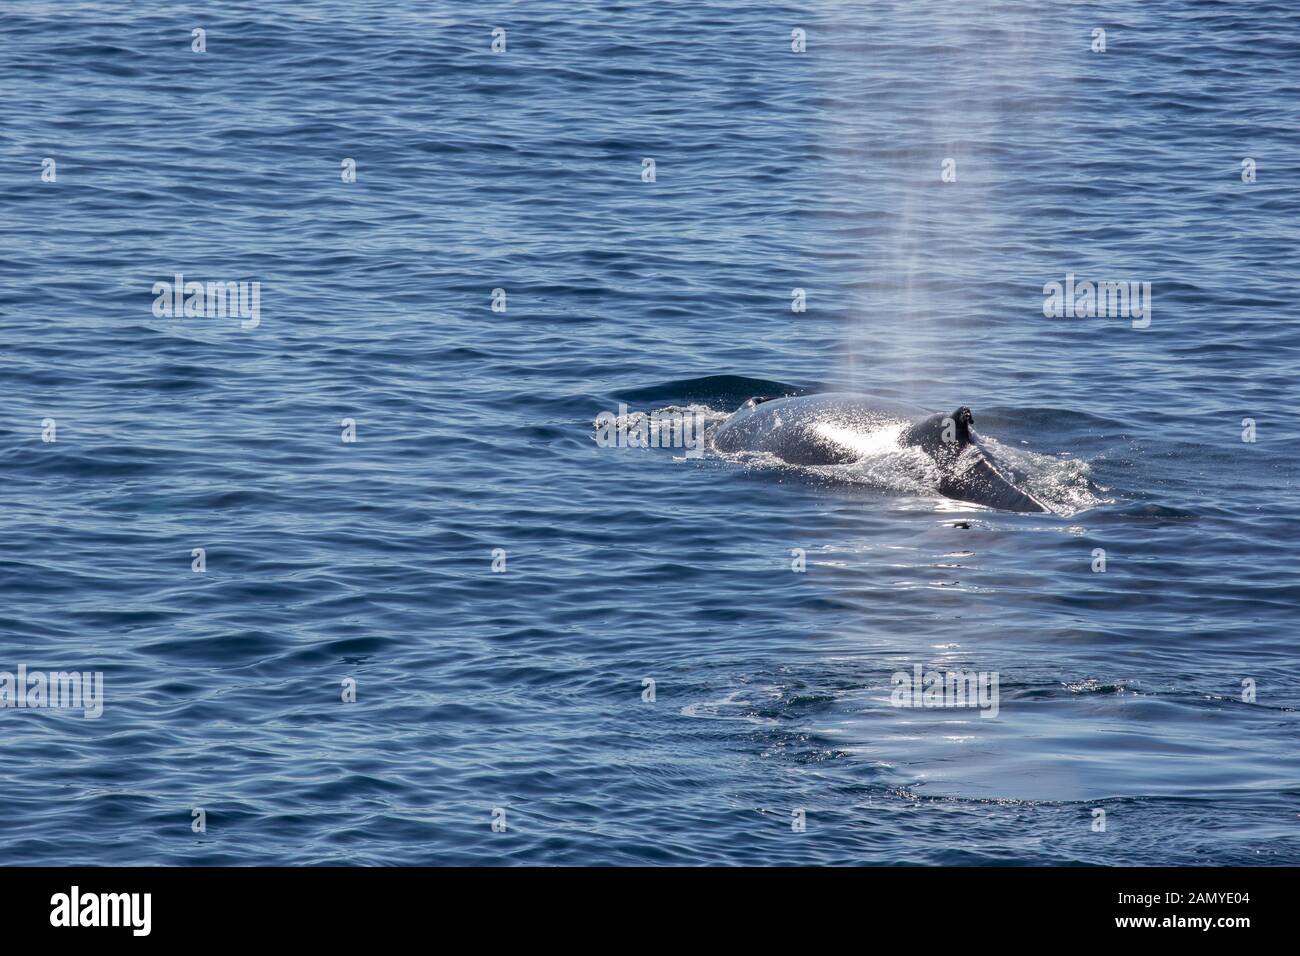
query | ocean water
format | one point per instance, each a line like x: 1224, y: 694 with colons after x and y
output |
x: 1161, y: 691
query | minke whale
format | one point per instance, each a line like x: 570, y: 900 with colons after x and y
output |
x: 835, y: 429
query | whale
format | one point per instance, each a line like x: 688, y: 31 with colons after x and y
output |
x: 840, y: 428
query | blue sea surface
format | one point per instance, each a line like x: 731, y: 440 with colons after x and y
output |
x: 646, y: 678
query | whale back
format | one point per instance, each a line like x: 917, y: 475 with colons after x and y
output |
x: 834, y: 429
x: 826, y: 429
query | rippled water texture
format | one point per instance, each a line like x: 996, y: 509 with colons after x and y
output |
x: 528, y: 690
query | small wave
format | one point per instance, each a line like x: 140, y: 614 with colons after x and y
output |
x: 1092, y: 685
x: 668, y: 427
x: 735, y: 706
x: 716, y: 391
